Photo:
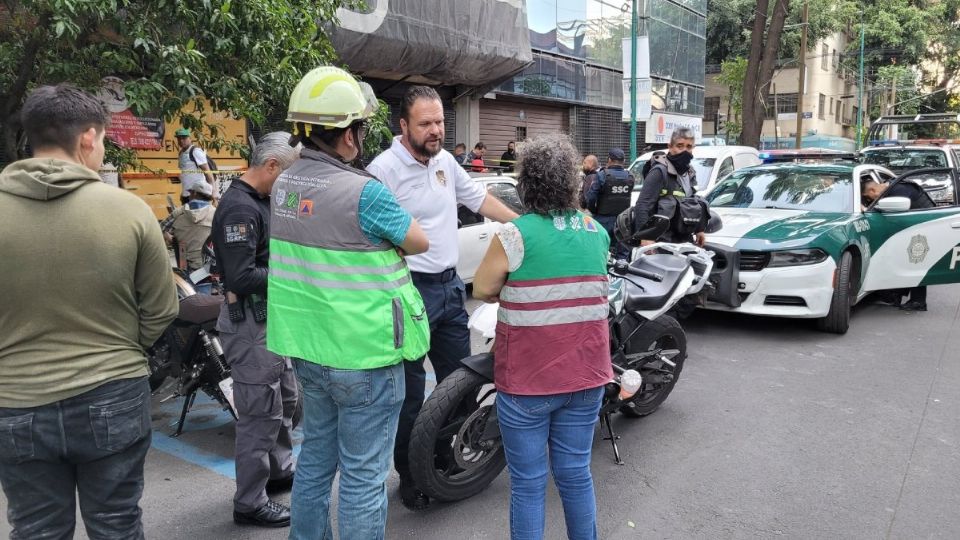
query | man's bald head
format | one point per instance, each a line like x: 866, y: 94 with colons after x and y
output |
x: 590, y: 164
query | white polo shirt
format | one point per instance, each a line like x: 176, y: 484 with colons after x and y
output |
x: 430, y: 193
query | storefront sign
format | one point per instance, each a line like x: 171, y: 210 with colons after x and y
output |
x: 661, y: 125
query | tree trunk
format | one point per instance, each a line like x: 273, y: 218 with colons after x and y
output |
x: 760, y: 68
x: 752, y: 77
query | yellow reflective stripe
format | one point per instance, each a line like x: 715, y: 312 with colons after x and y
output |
x: 549, y: 317
x: 664, y: 192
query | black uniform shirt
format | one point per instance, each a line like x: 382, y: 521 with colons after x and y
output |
x: 241, y: 236
x: 917, y: 195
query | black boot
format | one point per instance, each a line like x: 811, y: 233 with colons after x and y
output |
x: 411, y: 497
x: 272, y: 514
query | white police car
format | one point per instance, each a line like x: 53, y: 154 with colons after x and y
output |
x: 796, y: 241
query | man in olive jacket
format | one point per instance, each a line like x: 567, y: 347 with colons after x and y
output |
x: 87, y: 287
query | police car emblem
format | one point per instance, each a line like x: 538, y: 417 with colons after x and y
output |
x: 918, y: 249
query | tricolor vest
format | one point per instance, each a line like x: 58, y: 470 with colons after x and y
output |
x: 334, y: 298
x: 614, y: 196
x: 552, y: 333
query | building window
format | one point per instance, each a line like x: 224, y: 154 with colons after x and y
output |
x: 711, y: 107
x: 839, y: 109
x: 823, y: 58
x: 833, y: 56
x: 521, y: 134
x: 831, y: 106
x: 786, y: 103
x: 821, y: 109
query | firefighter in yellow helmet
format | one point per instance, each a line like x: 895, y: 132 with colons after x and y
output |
x: 343, y: 306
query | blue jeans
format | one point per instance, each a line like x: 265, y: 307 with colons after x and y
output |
x: 90, y: 447
x: 444, y: 297
x: 350, y: 420
x: 562, y: 423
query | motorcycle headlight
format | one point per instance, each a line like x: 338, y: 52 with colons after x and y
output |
x: 797, y: 257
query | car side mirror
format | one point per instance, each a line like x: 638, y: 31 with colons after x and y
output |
x: 893, y: 205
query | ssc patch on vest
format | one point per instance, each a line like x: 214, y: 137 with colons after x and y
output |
x: 235, y: 234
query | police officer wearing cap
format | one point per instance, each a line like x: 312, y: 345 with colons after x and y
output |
x: 609, y: 195
x: 264, y: 386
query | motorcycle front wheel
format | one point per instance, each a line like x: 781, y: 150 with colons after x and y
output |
x: 663, y: 334
x: 450, y: 459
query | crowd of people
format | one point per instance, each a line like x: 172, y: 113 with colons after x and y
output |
x: 336, y: 275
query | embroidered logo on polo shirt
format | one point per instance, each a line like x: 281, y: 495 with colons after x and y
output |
x: 441, y: 177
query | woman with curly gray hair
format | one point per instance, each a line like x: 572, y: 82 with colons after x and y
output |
x: 548, y: 270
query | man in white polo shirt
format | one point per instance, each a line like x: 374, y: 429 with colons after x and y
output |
x: 429, y: 183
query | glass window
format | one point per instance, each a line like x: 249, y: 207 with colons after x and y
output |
x: 823, y: 60
x: 786, y: 103
x: 466, y: 218
x: 821, y: 107
x: 901, y: 160
x: 816, y: 190
x: 726, y: 167
x: 507, y: 193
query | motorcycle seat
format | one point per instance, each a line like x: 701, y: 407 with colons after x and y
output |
x: 654, y: 294
x: 200, y: 308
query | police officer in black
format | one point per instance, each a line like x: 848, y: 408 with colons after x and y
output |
x: 609, y: 194
x: 918, y: 199
x: 264, y: 386
x: 668, y: 190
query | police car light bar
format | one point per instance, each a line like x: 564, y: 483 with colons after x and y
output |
x: 904, y: 142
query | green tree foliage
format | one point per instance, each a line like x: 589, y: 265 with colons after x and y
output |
x: 244, y: 56
x: 732, y: 74
x: 729, y: 27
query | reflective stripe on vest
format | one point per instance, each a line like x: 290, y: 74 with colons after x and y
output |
x: 664, y: 193
x: 557, y: 301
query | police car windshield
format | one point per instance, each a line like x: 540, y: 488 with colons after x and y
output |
x: 785, y: 188
x: 906, y: 159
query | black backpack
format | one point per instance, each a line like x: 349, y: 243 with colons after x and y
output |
x: 210, y: 162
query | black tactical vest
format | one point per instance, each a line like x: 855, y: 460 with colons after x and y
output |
x: 615, y: 194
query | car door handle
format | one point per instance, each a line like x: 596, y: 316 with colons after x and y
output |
x: 955, y: 225
x: 483, y: 236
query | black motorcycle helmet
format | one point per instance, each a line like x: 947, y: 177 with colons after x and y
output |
x: 714, y: 224
x: 626, y: 234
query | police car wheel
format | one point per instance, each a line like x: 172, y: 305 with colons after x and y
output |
x: 837, y: 320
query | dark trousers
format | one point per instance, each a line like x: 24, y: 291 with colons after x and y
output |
x: 444, y: 296
x: 917, y: 294
x: 618, y: 250
x: 265, y: 393
x: 89, y: 447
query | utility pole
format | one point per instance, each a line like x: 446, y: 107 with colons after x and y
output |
x: 776, y: 118
x: 803, y: 74
x: 860, y: 90
x: 633, y: 81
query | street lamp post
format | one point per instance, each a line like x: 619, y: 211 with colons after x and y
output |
x: 860, y: 110
x: 803, y: 74
x: 633, y: 81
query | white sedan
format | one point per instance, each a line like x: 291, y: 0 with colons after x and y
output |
x: 476, y: 231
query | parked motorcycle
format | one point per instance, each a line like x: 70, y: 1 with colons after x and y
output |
x: 190, y: 352
x: 456, y: 449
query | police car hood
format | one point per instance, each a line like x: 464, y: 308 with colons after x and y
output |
x: 773, y: 228
x: 44, y: 179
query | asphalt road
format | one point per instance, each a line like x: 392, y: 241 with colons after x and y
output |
x: 774, y: 430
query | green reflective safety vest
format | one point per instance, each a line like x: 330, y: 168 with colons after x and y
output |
x: 334, y: 298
